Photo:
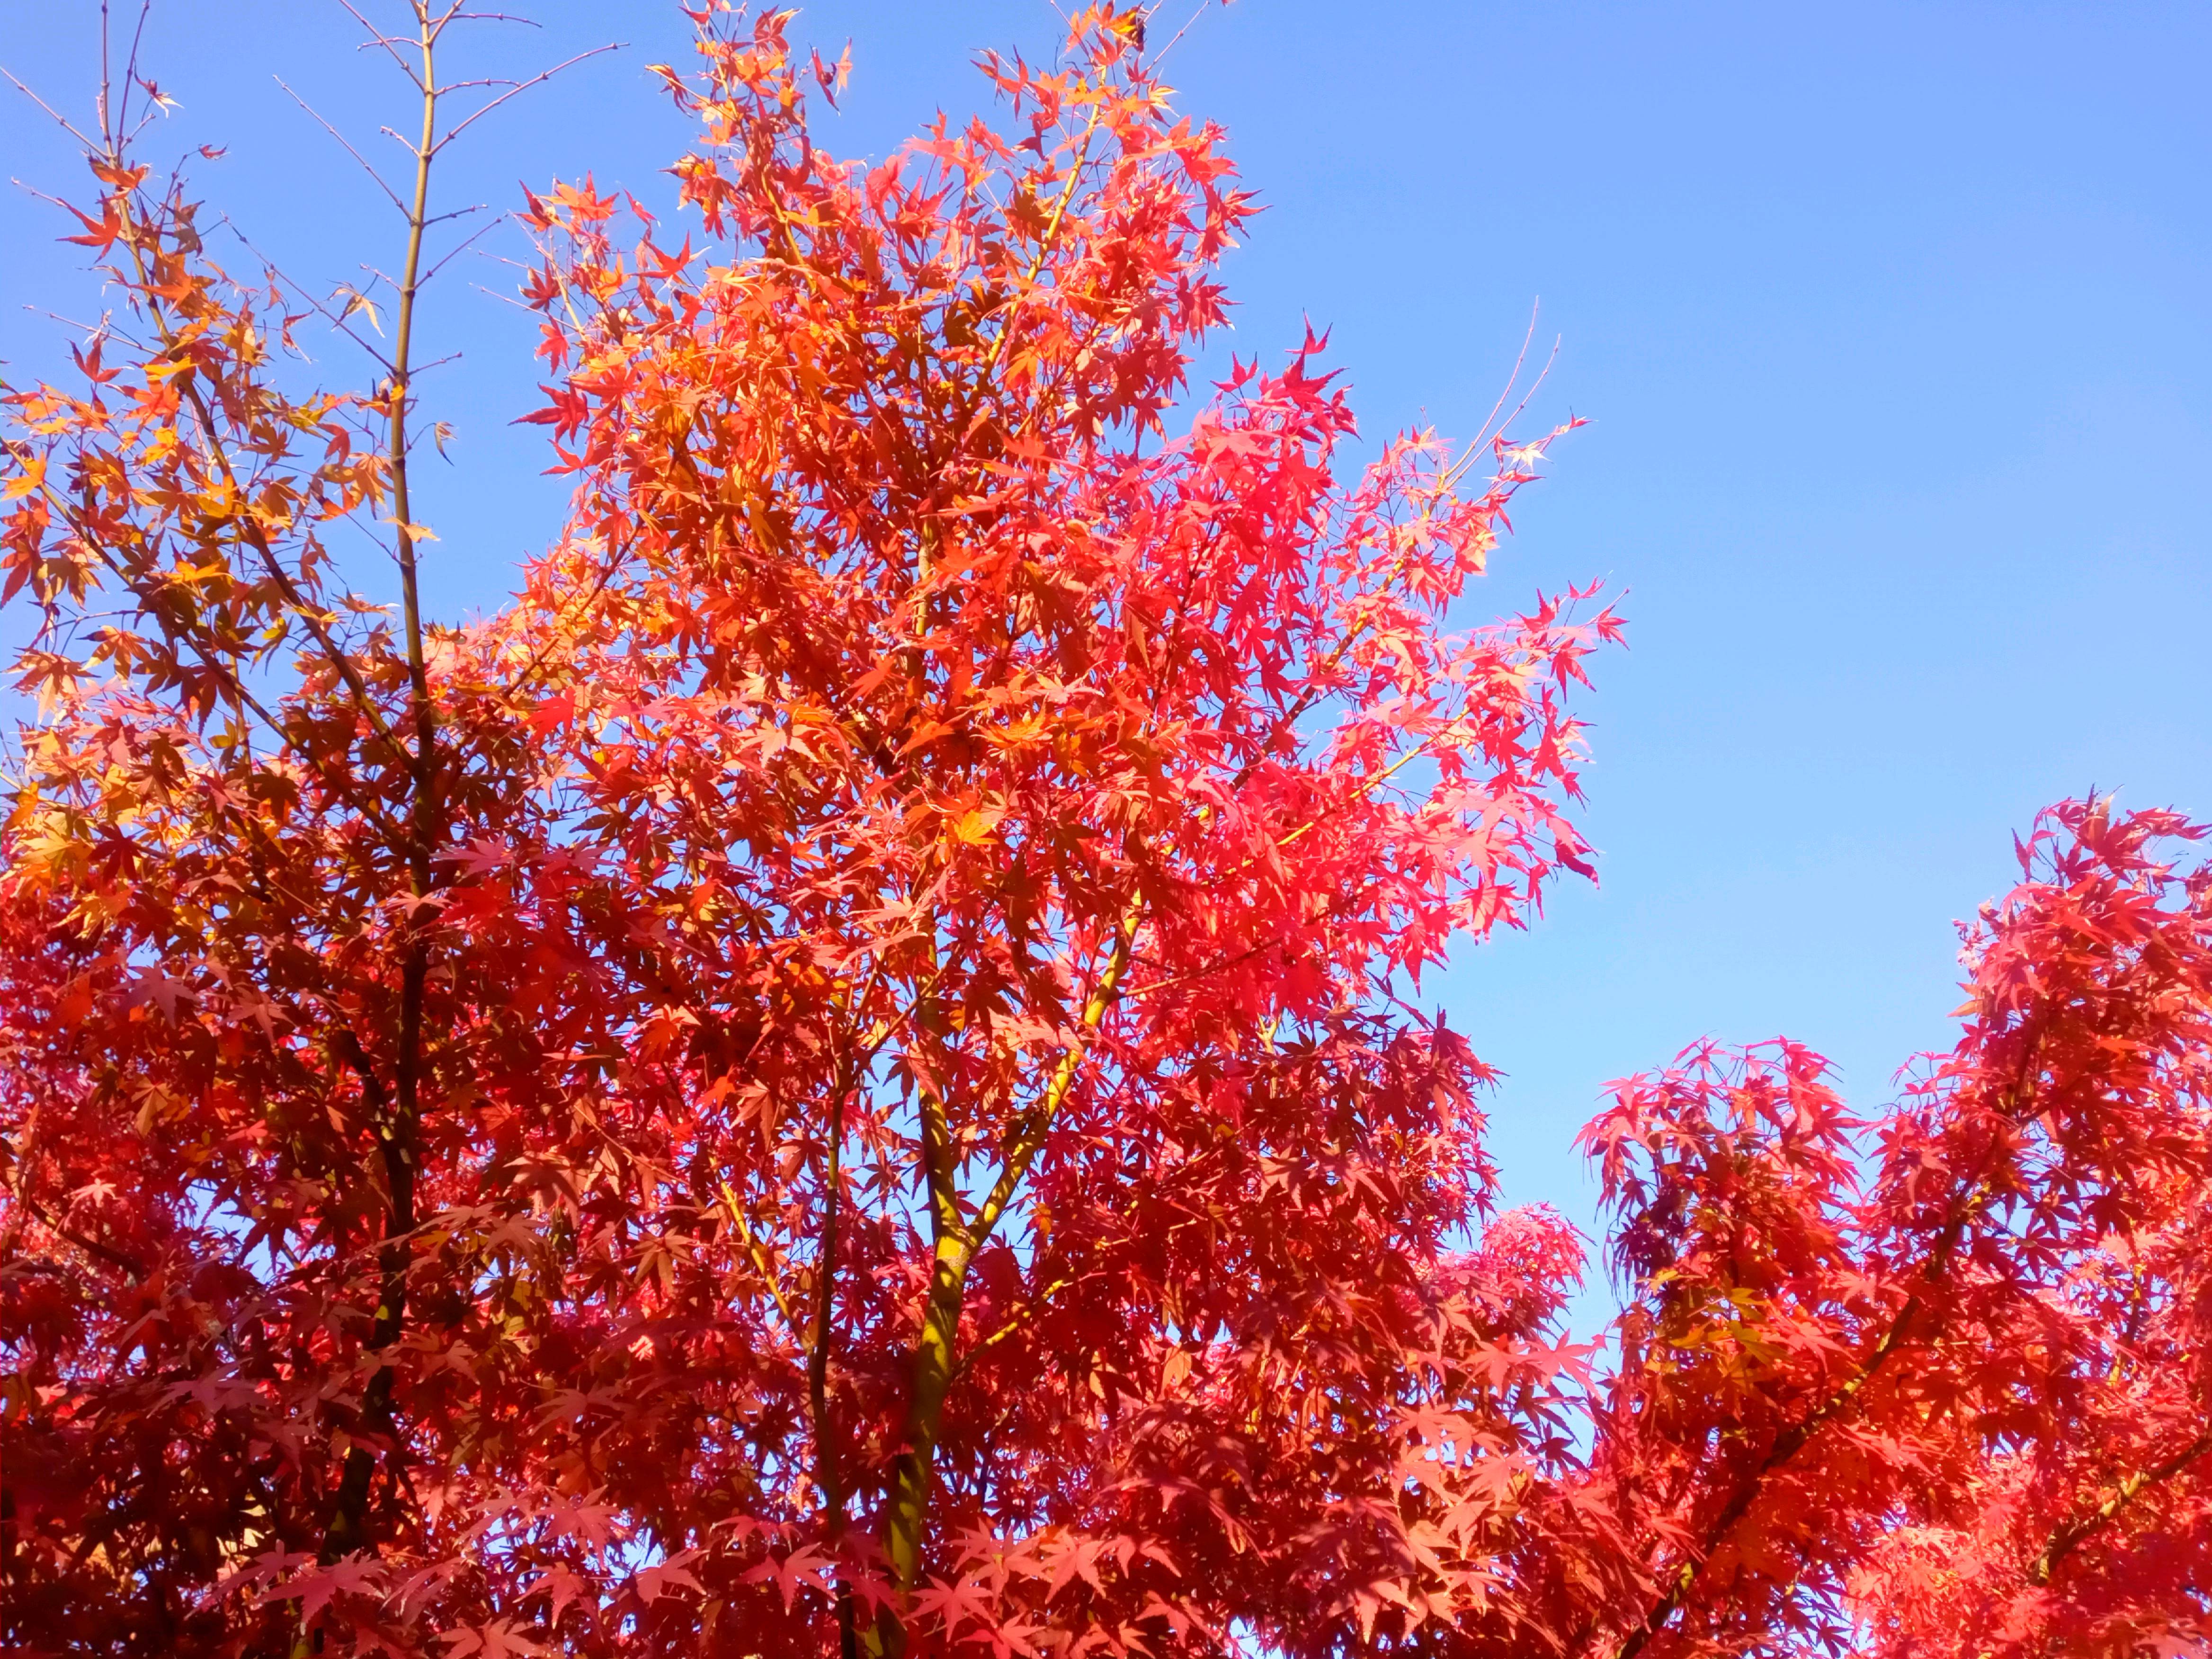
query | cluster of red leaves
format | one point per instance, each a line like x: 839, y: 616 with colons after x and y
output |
x: 897, y: 1128
x: 1947, y: 1387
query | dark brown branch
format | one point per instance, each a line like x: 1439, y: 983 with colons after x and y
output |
x: 2078, y: 1531
x: 395, y: 1133
x: 61, y: 1229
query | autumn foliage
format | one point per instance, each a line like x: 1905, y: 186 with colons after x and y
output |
x: 835, y: 1075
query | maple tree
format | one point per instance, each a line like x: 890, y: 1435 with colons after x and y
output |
x: 835, y: 1077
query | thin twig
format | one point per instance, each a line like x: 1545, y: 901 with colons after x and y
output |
x: 389, y: 42
x: 336, y: 318
x: 68, y: 126
x: 1527, y: 338
x: 459, y: 248
x: 129, y: 61
x: 1161, y: 55
x: 391, y: 194
x: 475, y: 115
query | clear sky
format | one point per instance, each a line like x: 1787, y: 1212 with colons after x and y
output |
x: 1893, y: 324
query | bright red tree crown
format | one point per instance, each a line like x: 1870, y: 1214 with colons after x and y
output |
x: 835, y: 1075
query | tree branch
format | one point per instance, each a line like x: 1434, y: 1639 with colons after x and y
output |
x: 2078, y: 1531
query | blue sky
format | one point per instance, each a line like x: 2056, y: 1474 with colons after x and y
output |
x: 1893, y: 325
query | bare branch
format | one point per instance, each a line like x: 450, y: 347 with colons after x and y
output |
x: 391, y: 194
x: 1161, y: 55
x: 106, y: 326
x: 466, y: 243
x: 1513, y: 379
x: 145, y: 121
x: 536, y: 80
x: 504, y: 299
x: 68, y: 126
x: 336, y: 318
x: 130, y: 64
x: 106, y: 78
x: 377, y: 37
